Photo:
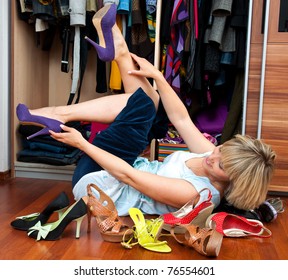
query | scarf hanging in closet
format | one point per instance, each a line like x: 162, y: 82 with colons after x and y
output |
x: 193, y: 18
x: 176, y: 45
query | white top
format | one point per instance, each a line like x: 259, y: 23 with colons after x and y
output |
x: 125, y: 197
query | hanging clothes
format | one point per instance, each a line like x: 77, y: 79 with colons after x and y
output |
x: 115, y: 82
x: 151, y: 6
x: 176, y: 46
x: 140, y: 41
x: 193, y: 19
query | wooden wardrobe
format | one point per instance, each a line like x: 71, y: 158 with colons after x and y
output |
x: 267, y: 85
x: 37, y: 80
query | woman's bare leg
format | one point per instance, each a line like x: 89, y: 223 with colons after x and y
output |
x: 125, y: 63
x: 105, y: 109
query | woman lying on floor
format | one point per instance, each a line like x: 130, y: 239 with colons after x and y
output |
x: 240, y: 169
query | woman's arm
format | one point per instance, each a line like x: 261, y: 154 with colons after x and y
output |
x: 175, y: 109
x: 174, y: 192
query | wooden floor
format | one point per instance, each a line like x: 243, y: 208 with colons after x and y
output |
x: 21, y: 196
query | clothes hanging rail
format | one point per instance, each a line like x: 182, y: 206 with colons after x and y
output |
x: 247, y: 67
x: 263, y: 69
x: 157, y: 38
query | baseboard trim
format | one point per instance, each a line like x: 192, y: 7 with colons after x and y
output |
x: 5, y: 175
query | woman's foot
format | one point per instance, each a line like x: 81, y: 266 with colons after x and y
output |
x: 120, y: 45
x: 48, y: 112
x: 47, y: 124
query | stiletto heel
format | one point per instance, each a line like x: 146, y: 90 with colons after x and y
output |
x: 53, y: 231
x: 44, y: 131
x: 103, y: 21
x: 25, y: 117
x: 58, y: 205
x: 78, y: 226
x: 111, y: 227
x: 189, y: 214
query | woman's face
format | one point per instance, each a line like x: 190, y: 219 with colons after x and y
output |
x: 213, y: 166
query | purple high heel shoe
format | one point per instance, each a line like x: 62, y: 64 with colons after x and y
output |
x: 25, y: 117
x: 107, y: 14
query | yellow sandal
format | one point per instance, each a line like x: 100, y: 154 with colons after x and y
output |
x: 146, y: 233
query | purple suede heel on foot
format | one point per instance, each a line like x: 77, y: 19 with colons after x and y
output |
x: 25, y: 117
x: 107, y: 22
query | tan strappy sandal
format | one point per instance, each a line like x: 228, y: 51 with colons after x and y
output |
x: 205, y: 241
x: 111, y: 227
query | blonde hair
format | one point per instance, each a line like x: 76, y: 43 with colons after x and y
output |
x: 249, y: 163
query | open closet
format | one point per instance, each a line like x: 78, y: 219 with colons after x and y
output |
x: 239, y: 94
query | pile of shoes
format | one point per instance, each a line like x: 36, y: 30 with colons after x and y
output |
x: 145, y: 232
x: 194, y: 225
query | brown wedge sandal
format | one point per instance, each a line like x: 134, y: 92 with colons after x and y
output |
x: 111, y: 227
x: 205, y: 241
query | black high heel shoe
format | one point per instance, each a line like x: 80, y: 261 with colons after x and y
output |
x: 53, y: 231
x: 59, y: 205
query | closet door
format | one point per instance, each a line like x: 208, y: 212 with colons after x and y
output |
x: 254, y: 70
x: 273, y: 118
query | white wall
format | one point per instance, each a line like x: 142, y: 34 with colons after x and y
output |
x: 4, y: 86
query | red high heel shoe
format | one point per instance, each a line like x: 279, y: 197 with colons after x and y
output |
x: 189, y: 214
x: 103, y: 21
x: 231, y: 225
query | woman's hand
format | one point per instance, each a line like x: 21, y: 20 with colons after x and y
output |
x: 69, y: 136
x: 146, y: 69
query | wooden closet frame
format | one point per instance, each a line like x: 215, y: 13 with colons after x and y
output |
x: 267, y: 97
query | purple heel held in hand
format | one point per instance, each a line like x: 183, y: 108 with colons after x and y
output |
x: 25, y: 117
